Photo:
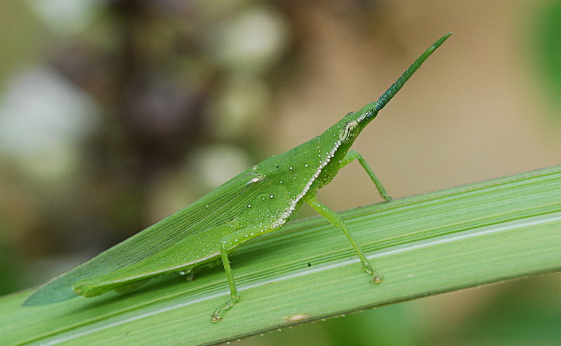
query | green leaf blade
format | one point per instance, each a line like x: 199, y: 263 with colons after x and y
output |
x: 427, y: 244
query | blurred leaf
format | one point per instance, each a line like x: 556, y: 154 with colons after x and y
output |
x: 10, y: 269
x: 549, y: 51
x: 390, y: 325
x: 427, y: 244
x: 531, y: 319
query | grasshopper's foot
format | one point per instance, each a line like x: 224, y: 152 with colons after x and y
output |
x: 387, y: 197
x: 376, y: 278
x: 215, y: 317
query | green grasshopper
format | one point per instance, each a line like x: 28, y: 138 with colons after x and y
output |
x: 255, y: 202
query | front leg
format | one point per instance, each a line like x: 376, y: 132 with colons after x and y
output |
x: 338, y: 222
x: 354, y: 155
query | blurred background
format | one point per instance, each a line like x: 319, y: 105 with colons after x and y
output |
x: 114, y: 114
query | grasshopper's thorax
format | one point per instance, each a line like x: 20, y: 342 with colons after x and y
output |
x: 301, y: 171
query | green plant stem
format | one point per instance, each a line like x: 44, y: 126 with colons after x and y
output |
x: 437, y: 242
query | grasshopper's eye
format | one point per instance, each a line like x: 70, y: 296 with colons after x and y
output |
x: 349, y: 132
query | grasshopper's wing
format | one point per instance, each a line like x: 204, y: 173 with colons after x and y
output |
x: 211, y: 211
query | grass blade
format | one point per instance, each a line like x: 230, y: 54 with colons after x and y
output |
x: 427, y: 244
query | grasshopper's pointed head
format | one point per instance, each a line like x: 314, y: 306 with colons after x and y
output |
x: 357, y: 121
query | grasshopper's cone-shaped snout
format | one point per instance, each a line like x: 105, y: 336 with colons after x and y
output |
x: 371, y: 110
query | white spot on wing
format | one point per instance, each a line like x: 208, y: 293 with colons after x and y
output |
x: 255, y: 180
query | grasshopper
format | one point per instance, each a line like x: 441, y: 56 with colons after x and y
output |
x: 255, y: 202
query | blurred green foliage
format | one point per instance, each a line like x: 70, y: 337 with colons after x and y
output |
x: 548, y: 38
